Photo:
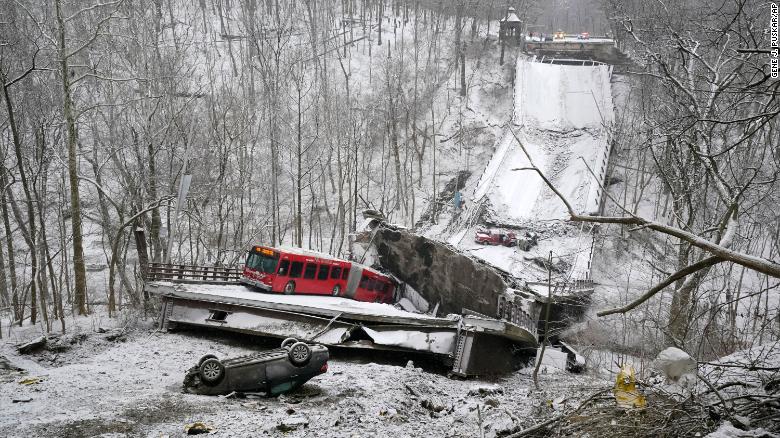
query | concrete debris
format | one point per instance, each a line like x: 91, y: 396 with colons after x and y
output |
x: 486, y: 390
x: 498, y: 423
x: 433, y: 404
x: 293, y: 423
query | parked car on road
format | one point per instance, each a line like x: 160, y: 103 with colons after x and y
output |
x: 271, y: 372
x: 583, y: 36
x: 491, y: 237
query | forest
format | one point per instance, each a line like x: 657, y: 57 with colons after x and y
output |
x: 169, y: 131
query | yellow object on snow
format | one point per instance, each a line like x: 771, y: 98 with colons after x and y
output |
x: 31, y: 381
x: 627, y: 394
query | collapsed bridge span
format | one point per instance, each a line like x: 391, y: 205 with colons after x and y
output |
x: 472, y: 345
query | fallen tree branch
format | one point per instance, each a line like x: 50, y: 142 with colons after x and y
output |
x: 545, y: 424
x: 758, y: 264
x: 710, y: 261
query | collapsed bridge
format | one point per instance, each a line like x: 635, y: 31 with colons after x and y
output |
x: 472, y: 344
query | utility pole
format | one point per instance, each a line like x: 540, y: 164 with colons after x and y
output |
x: 546, y: 321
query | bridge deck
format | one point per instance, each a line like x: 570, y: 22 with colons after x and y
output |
x: 324, y: 306
x: 472, y: 344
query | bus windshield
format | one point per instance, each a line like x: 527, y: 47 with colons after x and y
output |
x: 261, y: 262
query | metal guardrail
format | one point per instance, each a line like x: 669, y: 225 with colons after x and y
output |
x: 568, y: 61
x: 181, y: 273
x: 514, y: 313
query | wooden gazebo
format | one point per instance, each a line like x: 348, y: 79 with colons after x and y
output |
x: 510, y: 27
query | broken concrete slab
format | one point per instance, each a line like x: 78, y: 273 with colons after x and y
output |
x: 440, y: 274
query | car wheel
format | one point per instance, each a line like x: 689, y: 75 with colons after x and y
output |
x: 336, y: 290
x: 299, y: 354
x: 289, y: 288
x: 203, y: 359
x: 289, y: 341
x: 211, y: 371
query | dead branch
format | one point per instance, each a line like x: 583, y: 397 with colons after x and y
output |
x: 682, y: 273
x: 755, y: 263
x: 545, y: 424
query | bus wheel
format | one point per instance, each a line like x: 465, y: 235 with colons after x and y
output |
x: 289, y: 288
x: 336, y: 290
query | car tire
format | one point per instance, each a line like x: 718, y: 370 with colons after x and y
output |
x: 288, y: 342
x: 289, y: 288
x: 336, y: 291
x: 211, y: 371
x: 299, y: 354
x: 203, y: 359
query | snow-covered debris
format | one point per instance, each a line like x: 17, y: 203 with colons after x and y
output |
x: 554, y: 360
x: 675, y: 363
x: 30, y: 346
x: 486, y: 390
x: 292, y: 423
x: 727, y: 430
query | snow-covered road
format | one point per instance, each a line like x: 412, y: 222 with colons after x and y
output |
x: 560, y: 116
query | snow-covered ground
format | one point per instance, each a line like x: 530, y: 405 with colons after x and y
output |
x: 132, y: 387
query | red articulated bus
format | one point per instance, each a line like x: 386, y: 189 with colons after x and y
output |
x: 299, y: 271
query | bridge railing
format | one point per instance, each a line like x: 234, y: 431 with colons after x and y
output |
x: 182, y: 273
x: 513, y: 312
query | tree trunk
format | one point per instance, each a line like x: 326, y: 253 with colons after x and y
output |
x: 29, y: 235
x: 79, y: 271
x: 9, y: 242
x: 463, y: 70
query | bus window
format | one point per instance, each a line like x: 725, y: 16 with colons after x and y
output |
x: 364, y: 282
x: 335, y: 273
x: 373, y: 284
x: 345, y: 273
x: 262, y: 262
x: 284, y: 267
x: 388, y: 287
x: 311, y: 271
x: 295, y: 269
x: 323, y: 274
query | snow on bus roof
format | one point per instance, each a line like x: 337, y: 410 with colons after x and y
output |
x: 304, y: 251
x: 318, y: 254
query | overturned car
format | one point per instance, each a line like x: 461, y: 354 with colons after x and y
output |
x: 271, y: 372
